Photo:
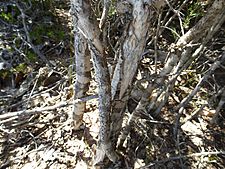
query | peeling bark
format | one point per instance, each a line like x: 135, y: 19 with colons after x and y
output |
x: 87, y: 25
x: 129, y: 57
x: 114, y: 93
x: 184, y: 51
x: 204, y: 25
x: 180, y: 57
x: 83, y: 77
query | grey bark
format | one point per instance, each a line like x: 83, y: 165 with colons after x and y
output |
x: 129, y: 56
x: 83, y: 77
x: 87, y: 25
x: 179, y: 58
x: 114, y: 93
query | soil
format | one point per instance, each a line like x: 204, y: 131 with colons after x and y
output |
x: 45, y: 139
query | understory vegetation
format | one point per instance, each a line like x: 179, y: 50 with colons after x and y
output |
x: 173, y: 112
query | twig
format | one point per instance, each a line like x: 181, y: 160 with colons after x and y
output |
x: 194, y: 114
x: 32, y: 91
x: 204, y: 78
x: 35, y: 94
x: 104, y: 13
x: 174, y: 15
x: 36, y: 50
x: 156, y: 40
x: 49, y: 108
x: 219, y: 107
x: 184, y: 156
x: 7, y: 163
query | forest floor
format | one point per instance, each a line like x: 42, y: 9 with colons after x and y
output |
x: 35, y: 133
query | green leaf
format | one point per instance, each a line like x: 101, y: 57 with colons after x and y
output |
x: 31, y: 56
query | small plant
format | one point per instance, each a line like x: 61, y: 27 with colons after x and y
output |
x: 6, y: 16
x: 31, y: 56
x: 194, y: 11
x: 9, y: 14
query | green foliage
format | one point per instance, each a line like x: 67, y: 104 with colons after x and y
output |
x: 56, y: 34
x: 213, y: 158
x: 7, y: 73
x: 112, y: 9
x: 22, y: 67
x: 6, y: 16
x: 174, y: 33
x: 39, y: 33
x: 31, y: 56
x: 9, y: 14
x: 4, y: 74
x: 194, y: 11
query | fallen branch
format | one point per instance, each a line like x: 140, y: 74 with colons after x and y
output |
x: 49, y: 108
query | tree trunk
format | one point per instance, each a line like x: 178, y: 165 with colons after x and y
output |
x: 83, y: 77
x: 87, y: 25
x: 184, y: 49
x: 130, y: 54
x: 115, y: 87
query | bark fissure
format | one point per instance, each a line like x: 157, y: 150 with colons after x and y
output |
x: 115, y: 86
x: 88, y: 27
x: 130, y: 55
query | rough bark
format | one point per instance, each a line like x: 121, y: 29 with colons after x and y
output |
x: 184, y: 50
x: 83, y: 77
x: 114, y: 93
x: 179, y: 58
x: 87, y: 25
x: 129, y: 56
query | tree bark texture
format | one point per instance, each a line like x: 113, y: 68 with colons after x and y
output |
x: 130, y: 53
x: 87, y: 25
x: 83, y: 76
x: 115, y: 87
x: 184, y: 51
x: 180, y: 57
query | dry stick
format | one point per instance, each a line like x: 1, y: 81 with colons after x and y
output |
x: 183, y: 157
x: 104, y: 13
x: 143, y: 103
x: 168, y: 89
x: 204, y: 24
x: 19, y: 50
x: 164, y: 101
x: 219, y: 107
x: 134, y: 115
x: 171, y: 63
x: 31, y: 93
x: 40, y: 110
x: 11, y: 119
x: 7, y: 163
x: 156, y: 40
x: 171, y: 84
x: 34, y: 95
x: 181, y: 24
x: 189, y: 35
x: 36, y: 50
x: 102, y: 76
x: 194, y: 114
x: 130, y: 54
x: 174, y: 15
x: 203, y: 79
x: 181, y: 106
